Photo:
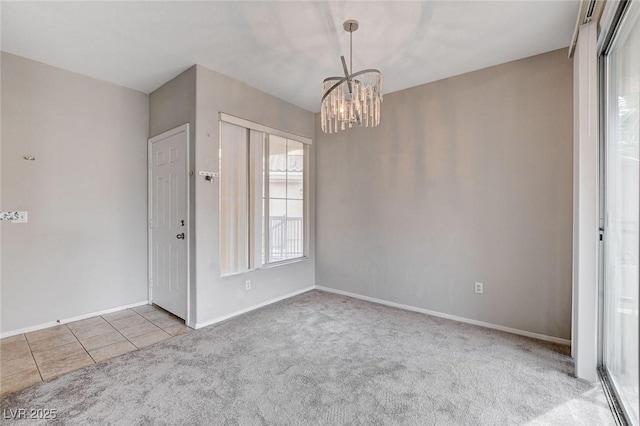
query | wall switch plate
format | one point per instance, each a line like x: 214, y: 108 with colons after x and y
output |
x: 479, y: 288
x: 22, y: 217
x: 206, y: 174
x: 247, y: 285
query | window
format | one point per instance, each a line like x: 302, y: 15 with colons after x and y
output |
x: 622, y: 195
x: 262, y: 195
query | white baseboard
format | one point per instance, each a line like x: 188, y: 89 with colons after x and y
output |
x: 68, y: 320
x: 244, y: 311
x: 447, y: 316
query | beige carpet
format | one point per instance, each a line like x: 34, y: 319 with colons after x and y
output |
x: 320, y: 358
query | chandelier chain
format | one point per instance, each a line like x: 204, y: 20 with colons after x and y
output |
x: 350, y: 49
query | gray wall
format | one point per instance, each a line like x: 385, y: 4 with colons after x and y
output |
x: 466, y: 179
x: 171, y: 105
x: 217, y: 297
x: 84, y: 248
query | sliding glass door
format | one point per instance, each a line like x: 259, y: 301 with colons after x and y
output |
x: 622, y: 201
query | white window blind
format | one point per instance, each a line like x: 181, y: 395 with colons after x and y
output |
x: 234, y: 202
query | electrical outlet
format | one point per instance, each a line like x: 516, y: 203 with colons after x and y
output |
x: 479, y: 288
x: 247, y: 285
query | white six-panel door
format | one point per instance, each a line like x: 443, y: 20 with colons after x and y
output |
x: 168, y: 221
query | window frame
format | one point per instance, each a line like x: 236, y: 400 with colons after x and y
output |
x: 615, y: 18
x: 266, y: 198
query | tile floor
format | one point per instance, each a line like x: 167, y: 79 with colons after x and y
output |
x: 30, y: 358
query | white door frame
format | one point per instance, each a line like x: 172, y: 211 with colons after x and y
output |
x: 184, y: 128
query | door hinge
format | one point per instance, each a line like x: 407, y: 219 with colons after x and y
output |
x: 601, y: 233
x: 151, y: 283
x: 150, y: 223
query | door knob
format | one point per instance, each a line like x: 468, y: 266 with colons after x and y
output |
x: 180, y: 236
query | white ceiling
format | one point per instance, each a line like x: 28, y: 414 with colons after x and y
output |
x: 283, y: 48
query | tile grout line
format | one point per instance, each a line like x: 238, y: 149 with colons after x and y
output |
x: 33, y: 357
x: 85, y: 349
x: 127, y: 339
x: 115, y: 329
x: 150, y: 321
x: 161, y: 328
x: 78, y: 340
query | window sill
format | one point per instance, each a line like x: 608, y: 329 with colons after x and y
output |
x: 234, y: 274
x: 269, y: 266
x: 283, y: 262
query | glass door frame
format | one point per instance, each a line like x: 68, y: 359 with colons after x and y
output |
x: 610, y: 391
x: 606, y: 110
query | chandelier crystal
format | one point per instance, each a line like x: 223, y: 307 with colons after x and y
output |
x: 352, y: 99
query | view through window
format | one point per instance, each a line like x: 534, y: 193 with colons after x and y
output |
x: 284, y: 199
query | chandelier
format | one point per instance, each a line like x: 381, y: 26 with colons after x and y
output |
x: 352, y: 99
